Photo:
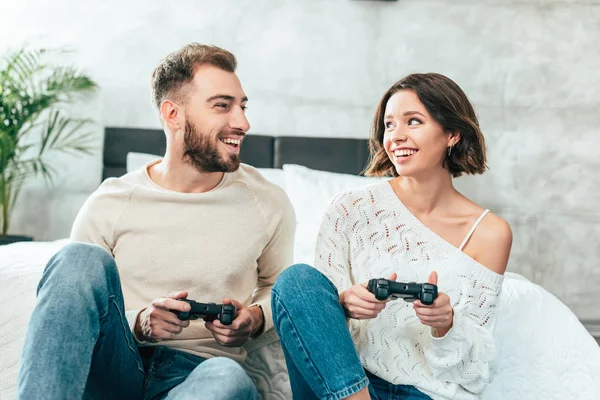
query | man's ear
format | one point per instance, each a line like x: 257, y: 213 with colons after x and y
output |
x: 171, y: 114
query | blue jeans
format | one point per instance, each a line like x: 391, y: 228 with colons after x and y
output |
x: 319, y: 352
x: 78, y: 343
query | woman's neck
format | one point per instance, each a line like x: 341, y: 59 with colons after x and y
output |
x: 424, y: 195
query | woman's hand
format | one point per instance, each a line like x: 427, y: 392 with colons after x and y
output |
x: 359, y: 303
x: 440, y: 314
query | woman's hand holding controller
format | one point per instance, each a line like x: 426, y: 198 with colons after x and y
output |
x: 359, y: 303
x: 440, y: 314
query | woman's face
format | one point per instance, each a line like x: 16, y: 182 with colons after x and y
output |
x: 413, y: 140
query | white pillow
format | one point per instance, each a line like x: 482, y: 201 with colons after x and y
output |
x: 310, y: 192
x: 274, y: 175
x: 136, y: 161
x: 542, y: 350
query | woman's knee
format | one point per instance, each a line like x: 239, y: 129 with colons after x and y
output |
x: 300, y: 277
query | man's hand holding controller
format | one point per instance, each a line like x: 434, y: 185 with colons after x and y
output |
x: 158, y: 322
x: 247, y: 323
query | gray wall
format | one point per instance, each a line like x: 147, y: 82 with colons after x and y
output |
x: 318, y: 68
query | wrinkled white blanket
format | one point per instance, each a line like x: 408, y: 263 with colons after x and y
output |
x: 543, y: 350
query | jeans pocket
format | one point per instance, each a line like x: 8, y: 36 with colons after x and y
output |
x: 378, y: 387
x: 407, y: 392
x: 161, y: 360
x: 166, y: 371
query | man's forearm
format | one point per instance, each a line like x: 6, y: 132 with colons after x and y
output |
x: 258, y: 319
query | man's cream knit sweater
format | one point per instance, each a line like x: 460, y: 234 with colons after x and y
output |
x: 232, y: 241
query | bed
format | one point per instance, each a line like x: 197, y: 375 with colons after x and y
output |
x: 544, y: 352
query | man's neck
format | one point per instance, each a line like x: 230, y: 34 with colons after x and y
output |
x: 179, y: 176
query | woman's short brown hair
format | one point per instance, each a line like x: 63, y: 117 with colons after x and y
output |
x: 449, y: 106
x: 177, y: 69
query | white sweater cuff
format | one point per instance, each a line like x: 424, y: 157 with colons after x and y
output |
x: 453, y: 339
x: 132, y: 316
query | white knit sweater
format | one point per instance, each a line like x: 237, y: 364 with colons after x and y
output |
x: 368, y: 233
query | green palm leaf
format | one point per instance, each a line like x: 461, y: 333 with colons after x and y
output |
x: 34, y: 121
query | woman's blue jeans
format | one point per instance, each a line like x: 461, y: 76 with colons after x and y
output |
x: 320, y: 355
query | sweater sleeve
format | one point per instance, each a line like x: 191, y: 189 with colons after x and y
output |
x: 464, y: 355
x: 96, y: 221
x: 332, y: 254
x: 277, y: 255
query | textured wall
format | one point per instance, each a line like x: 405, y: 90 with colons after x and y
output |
x: 318, y: 68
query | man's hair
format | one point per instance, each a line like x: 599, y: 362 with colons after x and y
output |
x: 449, y: 106
x: 172, y: 76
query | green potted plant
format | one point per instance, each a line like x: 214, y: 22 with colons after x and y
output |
x: 34, y: 91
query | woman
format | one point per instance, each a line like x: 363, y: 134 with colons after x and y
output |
x: 338, y: 339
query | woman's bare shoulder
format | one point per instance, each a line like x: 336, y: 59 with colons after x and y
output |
x: 491, y: 243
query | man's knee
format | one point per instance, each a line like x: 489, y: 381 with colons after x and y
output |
x: 80, y: 263
x: 222, y: 367
x: 85, y: 250
x: 233, y: 381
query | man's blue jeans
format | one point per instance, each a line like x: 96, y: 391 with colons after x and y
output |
x: 78, y: 343
x: 319, y: 352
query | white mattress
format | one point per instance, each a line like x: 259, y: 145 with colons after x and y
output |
x: 543, y: 350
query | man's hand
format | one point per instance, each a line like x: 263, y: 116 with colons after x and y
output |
x: 158, y: 322
x: 247, y: 322
x: 359, y: 303
x: 440, y: 314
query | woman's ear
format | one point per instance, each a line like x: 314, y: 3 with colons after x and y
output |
x: 453, y: 138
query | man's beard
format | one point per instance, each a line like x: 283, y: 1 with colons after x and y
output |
x: 202, y: 152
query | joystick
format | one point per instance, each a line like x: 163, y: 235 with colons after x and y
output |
x: 384, y: 289
x: 207, y: 311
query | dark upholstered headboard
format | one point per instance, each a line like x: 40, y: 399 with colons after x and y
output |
x: 327, y: 154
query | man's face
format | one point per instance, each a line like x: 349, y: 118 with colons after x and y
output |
x: 215, y: 123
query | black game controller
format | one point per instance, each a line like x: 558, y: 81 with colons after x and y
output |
x: 207, y: 311
x: 383, y: 289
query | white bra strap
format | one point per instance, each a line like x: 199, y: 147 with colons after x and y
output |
x: 464, y: 242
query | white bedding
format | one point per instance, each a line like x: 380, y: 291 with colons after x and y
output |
x: 21, y: 266
x: 544, y: 352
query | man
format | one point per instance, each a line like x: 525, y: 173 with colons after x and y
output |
x: 196, y: 223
